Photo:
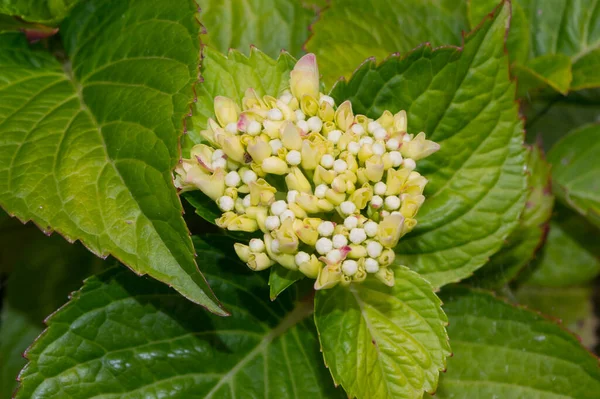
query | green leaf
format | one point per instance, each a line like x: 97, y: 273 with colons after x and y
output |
x: 42, y: 11
x: 570, y: 256
x: 525, y: 240
x: 169, y: 347
x: 13, y: 24
x: 585, y: 71
x: 552, y: 70
x: 281, y: 278
x: 576, y: 170
x: 43, y: 271
x: 267, y: 24
x: 87, y: 147
x: 349, y: 31
x: 574, y: 307
x: 464, y: 100
x: 504, y: 351
x: 383, y: 342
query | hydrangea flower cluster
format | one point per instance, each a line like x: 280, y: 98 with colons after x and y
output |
x: 332, y: 192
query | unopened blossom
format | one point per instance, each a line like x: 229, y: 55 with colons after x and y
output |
x: 331, y: 192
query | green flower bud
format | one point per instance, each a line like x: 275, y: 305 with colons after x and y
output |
x: 242, y: 223
x: 386, y: 276
x: 328, y: 277
x: 344, y: 116
x: 226, y: 110
x: 242, y: 251
x: 259, y: 261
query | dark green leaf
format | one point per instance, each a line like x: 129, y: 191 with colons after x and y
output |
x: 87, y: 147
x: 381, y: 342
x: 504, y: 351
x: 281, y: 278
x: 464, y: 100
x: 43, y: 11
x: 267, y: 24
x: 552, y: 70
x: 349, y: 31
x: 575, y: 178
x: 522, y: 244
x: 168, y: 347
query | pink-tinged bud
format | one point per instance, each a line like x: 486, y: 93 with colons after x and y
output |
x: 226, y: 110
x: 390, y: 230
x: 386, y: 276
x: 259, y: 261
x: 386, y: 120
x: 311, y: 268
x: 400, y: 121
x: 295, y: 180
x: 258, y: 149
x: 344, y: 116
x: 203, y: 154
x: 410, y: 205
x: 329, y: 276
x: 304, y: 78
x: 213, y: 185
x: 243, y: 251
x: 274, y: 165
x: 418, y: 147
x: 261, y: 193
x: 290, y: 136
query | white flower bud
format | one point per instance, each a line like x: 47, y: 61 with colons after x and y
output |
x: 339, y: 241
x: 380, y: 188
x: 340, y: 166
x: 257, y: 245
x: 278, y: 207
x: 231, y: 128
x: 220, y: 163
x: 275, y: 246
x: 357, y: 235
x: 376, y: 201
x: 301, y: 257
x: 409, y: 163
x: 357, y: 129
x: 392, y: 144
x: 353, y: 147
x: 254, y: 128
x: 349, y: 267
x: 372, y: 126
x: 249, y: 176
x: 226, y: 203
x: 302, y: 125
x: 286, y: 97
x: 371, y: 228
x: 323, y: 245
x: 291, y: 196
x: 406, y: 138
x: 371, y: 265
x: 327, y: 161
x: 300, y: 115
x: 374, y: 249
x: 347, y: 207
x: 218, y: 154
x: 380, y: 133
x: 232, y: 179
x: 320, y: 190
x: 272, y: 222
x: 247, y: 202
x: 366, y: 140
x: 350, y: 222
x: 275, y: 114
x: 392, y: 202
x: 378, y: 149
x: 293, y: 158
x: 315, y: 124
x: 334, y: 256
x: 275, y: 145
x: 325, y: 229
x: 287, y: 214
x: 396, y: 158
x: 326, y: 99
x: 334, y: 136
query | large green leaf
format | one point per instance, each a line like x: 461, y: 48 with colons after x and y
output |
x: 167, y: 347
x: 570, y: 256
x: 523, y: 242
x: 383, y: 342
x: 545, y: 32
x: 270, y: 25
x: 573, y: 306
x: 43, y: 11
x: 349, y: 31
x: 43, y: 271
x: 87, y: 146
x: 576, y: 171
x: 464, y: 100
x: 506, y: 352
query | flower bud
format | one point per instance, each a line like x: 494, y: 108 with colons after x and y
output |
x: 390, y: 230
x: 325, y: 206
x: 415, y: 184
x: 328, y: 127
x: 274, y: 165
x: 418, y: 147
x: 335, y: 197
x: 226, y: 110
x: 307, y: 234
x: 328, y: 277
x: 225, y: 219
x: 361, y: 273
x: 361, y: 197
x: 242, y: 251
x: 203, y: 154
x: 326, y: 112
x: 288, y: 241
x: 344, y: 116
x: 374, y: 168
x: 311, y: 268
x: 386, y: 120
x: 285, y: 260
x: 310, y: 155
x: 259, y: 261
x: 252, y: 100
x: 410, y: 205
x: 409, y: 224
x: 290, y: 136
x: 298, y: 211
x: 308, y: 202
x: 232, y: 146
x: 395, y: 181
x: 242, y: 223
x: 309, y: 106
x: 212, y: 185
x: 258, y: 149
x: 304, y: 78
x: 386, y: 276
x: 295, y: 180
x: 365, y: 152
x: 261, y: 193
x: 400, y: 121
x: 357, y: 251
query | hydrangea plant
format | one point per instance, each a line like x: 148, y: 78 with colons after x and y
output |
x: 327, y: 220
